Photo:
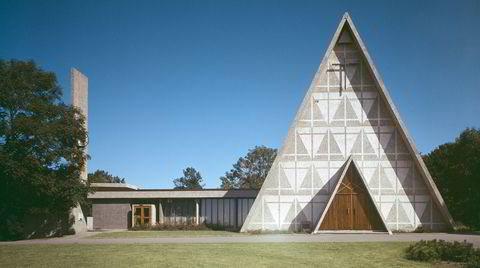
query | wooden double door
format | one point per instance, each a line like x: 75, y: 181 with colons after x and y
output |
x: 352, y: 207
x: 142, y: 215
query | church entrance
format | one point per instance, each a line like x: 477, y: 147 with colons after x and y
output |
x: 352, y: 207
x: 142, y: 215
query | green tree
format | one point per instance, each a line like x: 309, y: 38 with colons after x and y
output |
x: 40, y: 161
x: 102, y: 176
x: 191, y: 179
x: 455, y: 167
x: 250, y: 172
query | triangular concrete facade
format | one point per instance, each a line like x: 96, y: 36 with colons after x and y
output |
x: 347, y: 111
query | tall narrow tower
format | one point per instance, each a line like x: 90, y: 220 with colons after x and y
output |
x: 80, y: 101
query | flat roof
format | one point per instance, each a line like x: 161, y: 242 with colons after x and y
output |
x: 125, y: 191
x: 116, y: 186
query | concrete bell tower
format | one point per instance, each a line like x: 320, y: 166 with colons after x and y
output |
x: 80, y: 101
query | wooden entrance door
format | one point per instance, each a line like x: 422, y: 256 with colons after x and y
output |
x: 142, y: 215
x: 352, y: 208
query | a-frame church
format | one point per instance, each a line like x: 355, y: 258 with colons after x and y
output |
x: 348, y: 163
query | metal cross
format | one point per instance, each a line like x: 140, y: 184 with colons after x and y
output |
x: 341, y: 69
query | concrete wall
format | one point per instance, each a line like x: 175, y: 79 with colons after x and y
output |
x: 111, y: 215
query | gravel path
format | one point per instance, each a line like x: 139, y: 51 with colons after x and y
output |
x: 265, y: 238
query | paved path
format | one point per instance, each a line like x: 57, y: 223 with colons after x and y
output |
x: 265, y: 238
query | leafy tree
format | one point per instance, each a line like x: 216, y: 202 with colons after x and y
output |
x: 102, y: 176
x: 40, y: 161
x: 250, y: 171
x: 455, y: 167
x: 191, y: 179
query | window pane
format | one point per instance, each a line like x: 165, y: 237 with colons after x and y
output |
x: 146, y: 212
x: 146, y: 220
x: 137, y: 211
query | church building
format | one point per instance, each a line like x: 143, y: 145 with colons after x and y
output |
x: 347, y: 164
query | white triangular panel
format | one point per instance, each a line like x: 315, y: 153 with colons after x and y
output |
x: 323, y: 174
x: 351, y: 140
x: 340, y: 141
x: 323, y: 109
x: 386, y: 208
x: 350, y: 72
x: 407, y: 207
x: 290, y: 173
x: 419, y: 210
x: 273, y: 207
x: 334, y: 108
x: 367, y: 107
x: 373, y: 140
x: 301, y: 174
x: 317, y: 141
x: 307, y: 142
x: 284, y: 208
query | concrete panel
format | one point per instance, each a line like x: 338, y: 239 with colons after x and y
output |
x: 233, y: 212
x: 220, y: 212
x: 214, y: 211
x: 226, y: 212
x: 208, y: 210
x: 202, y: 211
x: 111, y: 215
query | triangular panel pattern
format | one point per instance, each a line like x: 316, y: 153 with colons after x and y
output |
x: 347, y: 112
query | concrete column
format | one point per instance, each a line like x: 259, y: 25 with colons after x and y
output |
x: 133, y: 215
x: 197, y: 212
x: 160, y: 212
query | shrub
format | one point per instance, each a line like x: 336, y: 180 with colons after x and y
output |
x: 422, y: 251
x: 180, y: 227
x: 440, y: 250
x: 474, y: 262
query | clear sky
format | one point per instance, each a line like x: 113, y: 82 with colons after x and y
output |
x: 197, y: 83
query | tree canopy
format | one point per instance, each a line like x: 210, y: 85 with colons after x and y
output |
x: 102, y: 176
x: 455, y: 168
x: 250, y: 172
x: 191, y: 179
x: 40, y: 161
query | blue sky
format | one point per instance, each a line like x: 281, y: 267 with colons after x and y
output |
x: 197, y: 83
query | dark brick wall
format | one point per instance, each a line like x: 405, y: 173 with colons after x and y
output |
x: 111, y: 215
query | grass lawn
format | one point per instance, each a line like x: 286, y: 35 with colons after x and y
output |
x: 206, y: 255
x: 132, y: 234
